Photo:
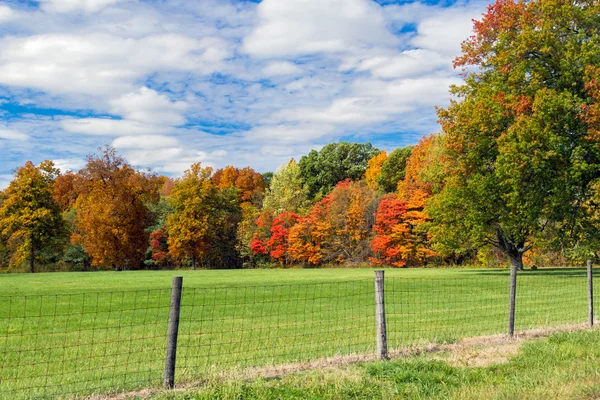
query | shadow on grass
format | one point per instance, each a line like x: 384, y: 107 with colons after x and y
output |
x: 560, y: 272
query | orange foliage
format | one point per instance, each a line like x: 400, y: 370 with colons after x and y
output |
x: 251, y: 184
x: 65, y: 190
x: 338, y: 228
x: 112, y: 216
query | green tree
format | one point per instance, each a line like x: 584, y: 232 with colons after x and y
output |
x: 30, y: 219
x: 287, y: 191
x: 519, y: 152
x: 334, y: 163
x: 392, y: 170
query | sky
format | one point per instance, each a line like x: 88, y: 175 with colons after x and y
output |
x: 222, y: 82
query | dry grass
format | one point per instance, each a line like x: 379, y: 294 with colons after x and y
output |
x: 478, y: 351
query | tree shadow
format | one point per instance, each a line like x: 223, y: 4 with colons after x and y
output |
x: 562, y: 272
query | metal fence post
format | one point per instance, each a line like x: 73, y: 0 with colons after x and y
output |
x: 380, y: 316
x: 513, y: 299
x: 171, y: 359
x: 590, y: 277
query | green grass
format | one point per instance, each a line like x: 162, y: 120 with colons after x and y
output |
x: 82, y: 333
x: 562, y: 366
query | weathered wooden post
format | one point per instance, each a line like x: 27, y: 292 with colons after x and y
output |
x: 590, y: 277
x: 171, y: 359
x: 380, y: 316
x: 513, y: 299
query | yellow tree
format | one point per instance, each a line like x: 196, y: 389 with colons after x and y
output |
x: 30, y: 219
x: 112, y: 212
x: 374, y: 169
x: 195, y: 201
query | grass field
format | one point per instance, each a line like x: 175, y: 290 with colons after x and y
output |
x: 82, y: 333
x: 562, y: 366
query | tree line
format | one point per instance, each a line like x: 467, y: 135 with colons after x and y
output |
x: 513, y: 175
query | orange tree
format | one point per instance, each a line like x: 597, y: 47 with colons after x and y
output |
x: 112, y: 212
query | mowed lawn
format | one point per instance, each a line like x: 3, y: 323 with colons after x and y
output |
x: 102, y: 332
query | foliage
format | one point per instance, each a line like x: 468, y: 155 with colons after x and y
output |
x: 521, y: 151
x: 335, y: 162
x: 374, y: 169
x: 287, y: 191
x: 249, y: 183
x: 392, y: 170
x: 338, y: 228
x: 204, y: 220
x: 30, y: 218
x: 112, y: 212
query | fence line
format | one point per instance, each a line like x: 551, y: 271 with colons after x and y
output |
x: 94, y: 343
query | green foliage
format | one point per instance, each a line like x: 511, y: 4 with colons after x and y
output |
x: 287, y: 191
x: 335, y: 162
x: 519, y: 155
x: 392, y: 170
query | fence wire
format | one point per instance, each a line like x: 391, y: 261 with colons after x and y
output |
x: 62, y: 346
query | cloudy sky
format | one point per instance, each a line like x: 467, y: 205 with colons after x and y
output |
x: 171, y: 82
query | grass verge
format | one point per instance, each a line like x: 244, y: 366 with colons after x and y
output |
x: 562, y: 366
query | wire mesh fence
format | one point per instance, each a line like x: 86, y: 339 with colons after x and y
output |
x: 61, y: 346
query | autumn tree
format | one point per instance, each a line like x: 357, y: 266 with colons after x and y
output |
x: 521, y: 149
x: 30, y: 218
x: 287, y: 191
x: 338, y: 228
x: 204, y: 221
x: 335, y: 162
x: 391, y: 240
x: 112, y: 211
x: 392, y: 170
x: 65, y: 190
x: 374, y: 169
x: 249, y: 183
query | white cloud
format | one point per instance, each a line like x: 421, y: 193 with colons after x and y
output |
x: 66, y: 6
x: 278, y: 68
x: 9, y: 134
x: 297, y: 27
x: 7, y: 13
x: 110, y: 127
x: 274, y: 79
x: 68, y: 164
x: 145, y: 142
x: 101, y: 64
x: 148, y: 106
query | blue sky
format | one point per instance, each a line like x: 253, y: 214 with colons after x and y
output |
x: 172, y: 82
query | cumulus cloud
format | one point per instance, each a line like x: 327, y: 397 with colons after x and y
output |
x: 145, y: 142
x: 7, y: 13
x: 9, y: 134
x: 110, y: 127
x: 278, y: 68
x: 66, y: 6
x: 222, y: 82
x: 101, y: 64
x: 149, y: 106
x: 68, y: 164
x: 297, y: 27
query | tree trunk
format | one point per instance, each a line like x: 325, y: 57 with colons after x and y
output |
x: 516, y: 263
x: 193, y: 262
x: 32, y: 258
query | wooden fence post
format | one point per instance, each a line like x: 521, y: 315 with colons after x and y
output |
x: 171, y: 359
x: 380, y: 316
x: 590, y: 277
